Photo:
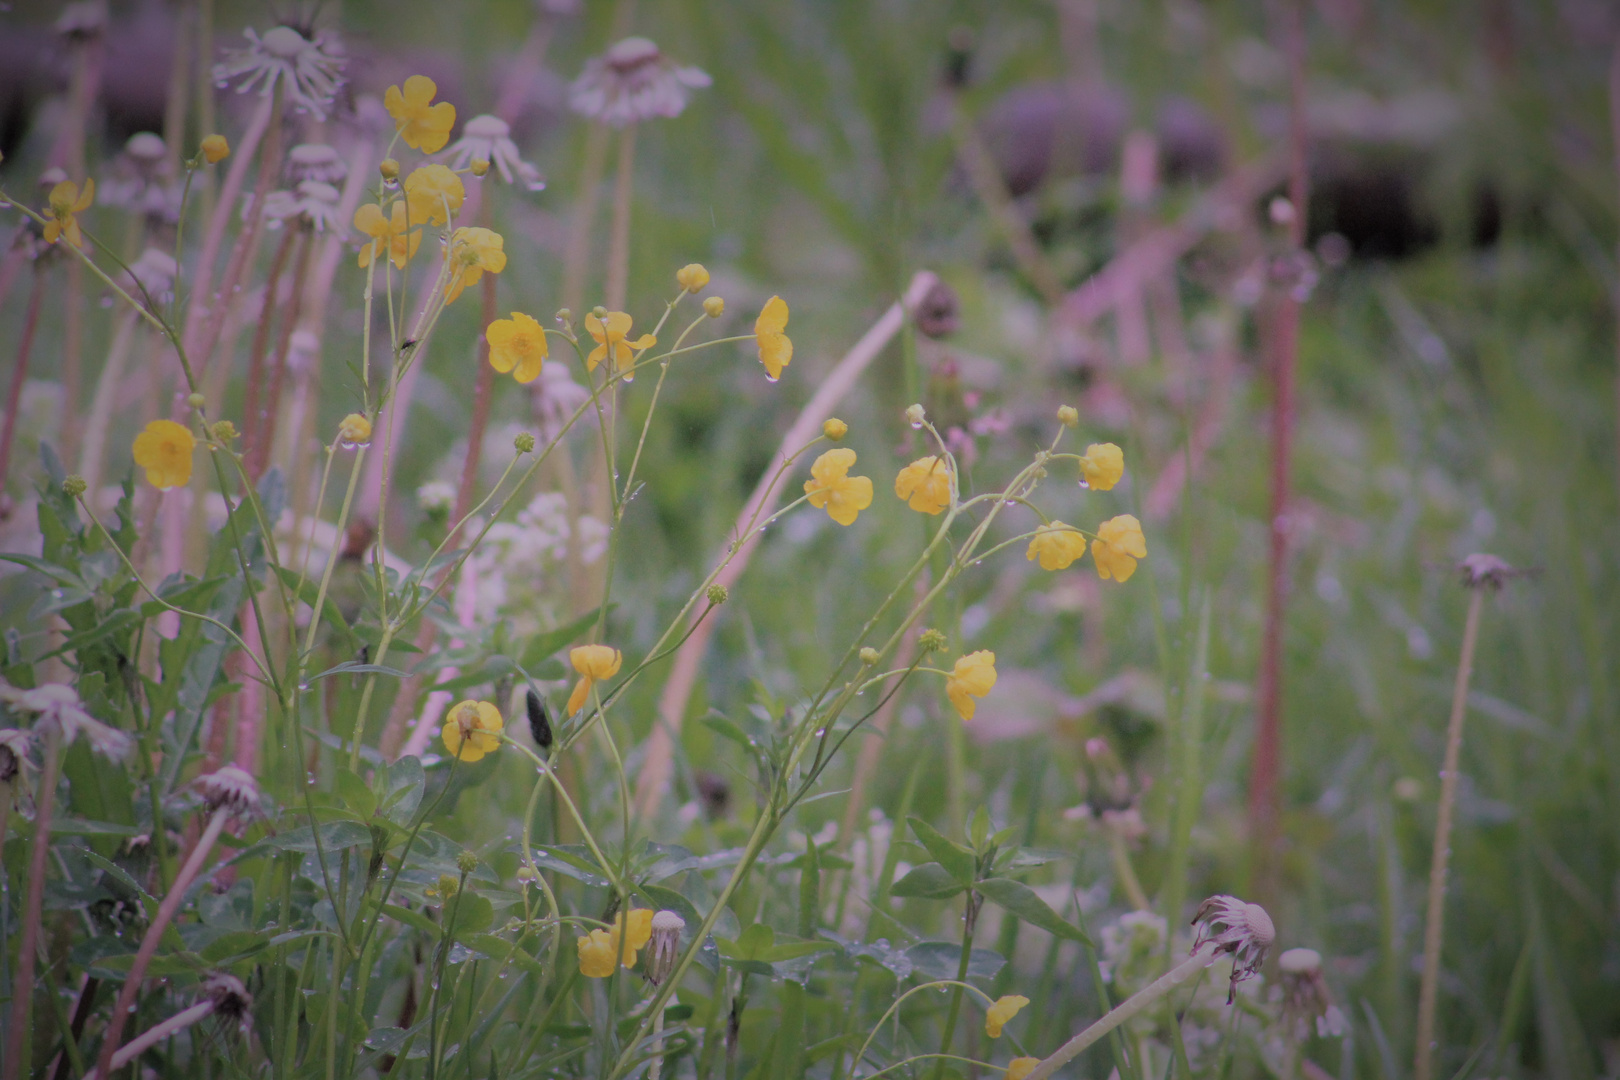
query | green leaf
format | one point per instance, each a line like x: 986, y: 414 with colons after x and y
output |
x: 356, y: 793
x: 233, y: 946
x: 957, y: 860
x: 545, y: 645
x: 402, y: 786
x: 414, y: 919
x: 939, y: 960
x: 792, y: 950
x: 930, y: 881
x: 329, y: 609
x: 80, y: 827
x: 754, y: 941
x: 1020, y: 900
x: 474, y: 914
x: 349, y: 667
x: 501, y: 949
x: 335, y: 835
x: 979, y: 828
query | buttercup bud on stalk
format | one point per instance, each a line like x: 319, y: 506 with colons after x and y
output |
x: 479, y: 166
x: 1068, y: 416
x: 718, y: 594
x: 834, y: 428
x: 915, y: 415
x: 196, y: 400
x: 869, y: 655
x: 389, y: 169
x: 524, y: 443
x: 215, y: 149
x: 692, y: 278
x: 73, y: 486
x: 714, y: 307
x: 1307, y: 1002
x: 665, y: 945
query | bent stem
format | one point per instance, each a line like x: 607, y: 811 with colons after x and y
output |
x: 155, y: 1034
x: 1423, y: 1064
x: 154, y: 934
x: 1158, y: 988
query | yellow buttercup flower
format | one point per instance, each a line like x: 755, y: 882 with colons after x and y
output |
x: 1102, y: 466
x: 473, y: 251
x: 354, y: 430
x: 831, y: 487
x: 423, y: 126
x: 392, y: 234
x: 517, y: 345
x: 775, y: 350
x: 432, y: 190
x: 66, y: 201
x: 1118, y: 545
x: 593, y: 662
x: 164, y: 450
x: 971, y: 677
x: 598, y: 954
x: 693, y: 277
x: 610, y: 335
x: 215, y: 149
x: 1056, y: 545
x: 1018, y: 1068
x: 471, y: 730
x: 925, y: 484
x: 1002, y: 1011
x: 599, y: 950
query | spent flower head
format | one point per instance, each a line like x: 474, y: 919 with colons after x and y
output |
x: 231, y: 790
x: 311, y: 204
x: 153, y: 274
x: 931, y: 641
x: 523, y: 442
x: 718, y: 594
x: 56, y: 707
x: 666, y: 945
x: 1241, y: 930
x: 631, y: 82
x: 488, y: 139
x: 308, y: 69
x: 316, y: 161
x: 74, y: 486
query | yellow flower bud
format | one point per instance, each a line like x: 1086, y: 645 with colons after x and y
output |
x: 834, y: 428
x: 524, y: 443
x: 389, y: 169
x: 714, y: 307
x: 915, y: 415
x: 196, y: 401
x: 1068, y: 416
x: 479, y: 166
x: 692, y: 277
x: 869, y: 656
x: 355, y: 430
x: 215, y: 149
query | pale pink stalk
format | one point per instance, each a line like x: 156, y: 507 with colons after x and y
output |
x: 653, y: 782
x: 18, y: 1047
x: 172, y: 547
x: 108, y: 383
x: 19, y: 375
x: 155, y: 1034
x: 439, y: 700
x: 154, y: 934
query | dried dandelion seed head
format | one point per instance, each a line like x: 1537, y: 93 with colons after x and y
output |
x: 57, y: 706
x: 1480, y: 571
x: 230, y: 997
x: 232, y: 790
x: 488, y: 139
x: 1307, y: 1003
x: 308, y: 69
x: 666, y: 945
x: 1241, y: 930
x: 316, y: 161
x: 312, y: 204
x: 633, y: 81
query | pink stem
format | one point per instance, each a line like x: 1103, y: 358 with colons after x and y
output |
x: 18, y: 1047
x: 20, y: 375
x: 154, y: 934
x: 155, y: 1034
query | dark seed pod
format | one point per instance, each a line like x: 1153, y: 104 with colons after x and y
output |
x: 539, y: 721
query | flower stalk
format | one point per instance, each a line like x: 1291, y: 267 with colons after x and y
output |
x: 22, y: 987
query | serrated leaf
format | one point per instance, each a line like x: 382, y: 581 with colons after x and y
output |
x: 1020, y: 900
x: 957, y: 860
x: 930, y: 881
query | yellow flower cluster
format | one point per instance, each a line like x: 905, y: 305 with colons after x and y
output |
x: 599, y: 950
x: 1118, y: 545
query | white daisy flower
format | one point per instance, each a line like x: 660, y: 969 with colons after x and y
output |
x: 631, y: 82
x: 308, y: 70
x: 489, y: 139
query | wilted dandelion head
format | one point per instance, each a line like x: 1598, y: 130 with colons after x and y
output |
x: 231, y: 790
x: 315, y: 161
x: 489, y: 138
x: 56, y: 707
x: 631, y: 82
x: 153, y: 273
x: 313, y: 204
x: 1242, y: 930
x: 308, y: 69
x: 1307, y: 1003
x: 666, y: 945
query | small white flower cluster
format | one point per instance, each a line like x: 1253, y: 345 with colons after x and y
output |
x: 513, y: 564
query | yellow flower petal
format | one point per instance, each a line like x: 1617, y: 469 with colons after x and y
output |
x: 596, y: 661
x: 1020, y: 1067
x: 1056, y: 545
x: 1118, y: 545
x: 517, y: 343
x: 831, y: 487
x: 471, y: 730
x: 971, y: 677
x: 1102, y: 466
x: 925, y: 484
x: 1002, y: 1011
x: 775, y: 349
x: 164, y: 450
x: 598, y: 954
